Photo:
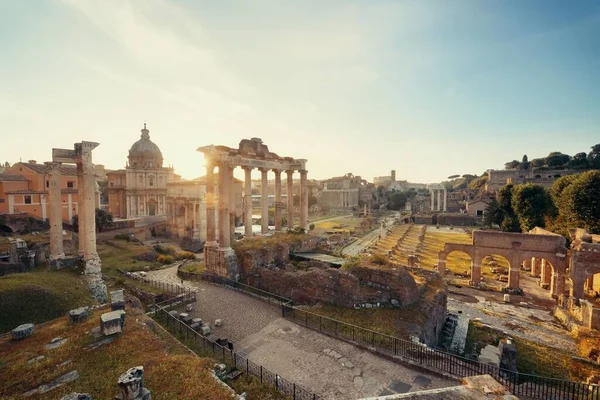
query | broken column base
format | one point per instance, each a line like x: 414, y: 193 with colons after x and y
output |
x: 64, y: 262
x: 222, y: 261
x: 97, y: 287
x: 132, y: 387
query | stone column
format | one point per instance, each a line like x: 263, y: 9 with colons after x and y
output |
x: 248, y: 202
x: 211, y: 238
x: 89, y: 180
x: 278, y: 204
x: 196, y: 232
x: 475, y: 274
x: 560, y: 284
x: 232, y: 205
x: 513, y: 273
x: 290, y: 199
x: 80, y: 210
x: 439, y: 200
x: 445, y: 200
x: 553, y: 284
x: 441, y: 267
x: 304, y: 200
x: 224, y: 232
x: 264, y: 201
x: 432, y: 193
x: 546, y: 273
x: 54, y: 197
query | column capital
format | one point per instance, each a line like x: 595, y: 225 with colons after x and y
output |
x: 303, y: 171
x: 247, y: 168
x: 277, y: 170
x: 289, y: 171
x: 264, y: 170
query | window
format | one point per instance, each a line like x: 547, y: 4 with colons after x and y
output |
x: 70, y: 184
x: 480, y: 213
x: 47, y: 183
x: 27, y: 199
x: 1, y: 200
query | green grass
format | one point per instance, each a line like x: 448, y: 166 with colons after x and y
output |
x: 193, y: 267
x: 40, y: 296
x: 121, y: 254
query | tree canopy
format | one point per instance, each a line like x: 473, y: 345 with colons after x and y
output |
x: 559, y: 160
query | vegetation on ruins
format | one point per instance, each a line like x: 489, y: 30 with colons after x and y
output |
x: 572, y: 202
x: 460, y: 182
x: 558, y: 160
x: 104, y: 221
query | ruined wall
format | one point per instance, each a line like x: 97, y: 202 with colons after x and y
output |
x: 333, y: 286
x: 435, y: 311
x: 274, y: 255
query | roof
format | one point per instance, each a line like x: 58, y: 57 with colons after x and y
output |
x: 41, y: 169
x: 25, y: 191
x: 478, y: 201
x: 9, y: 177
x: 116, y: 172
x: 145, y: 144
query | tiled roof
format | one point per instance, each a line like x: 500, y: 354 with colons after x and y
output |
x: 41, y: 169
x: 8, y: 177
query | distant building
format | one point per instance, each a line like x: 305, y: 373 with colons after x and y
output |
x: 140, y: 190
x: 389, y: 182
x: 345, y: 192
x: 24, y: 189
x: 477, y: 208
x: 545, y: 178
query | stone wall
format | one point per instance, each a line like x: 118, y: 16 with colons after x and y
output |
x: 274, y: 255
x: 435, y: 311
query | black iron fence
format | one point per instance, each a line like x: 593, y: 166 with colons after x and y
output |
x: 531, y: 386
x: 234, y: 361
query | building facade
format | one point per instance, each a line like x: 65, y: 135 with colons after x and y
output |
x: 140, y: 190
x: 24, y: 189
x: 545, y: 178
x: 345, y: 192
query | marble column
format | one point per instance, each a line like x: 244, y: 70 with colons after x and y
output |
x: 290, y: 199
x: 445, y: 200
x: 432, y: 193
x: 196, y: 232
x: 89, y: 180
x: 232, y: 205
x: 211, y: 237
x: 54, y: 197
x: 304, y: 200
x: 264, y: 201
x: 80, y: 211
x: 224, y: 223
x: 278, y: 204
x: 513, y: 273
x: 439, y: 200
x: 247, y: 202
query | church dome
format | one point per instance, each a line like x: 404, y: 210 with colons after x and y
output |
x: 145, y: 153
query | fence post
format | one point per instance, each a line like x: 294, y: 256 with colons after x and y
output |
x: 261, y: 374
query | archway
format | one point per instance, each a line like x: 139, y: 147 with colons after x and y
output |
x: 459, y: 263
x: 466, y: 249
x: 498, y: 268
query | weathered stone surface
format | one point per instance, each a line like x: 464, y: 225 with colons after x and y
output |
x: 174, y: 313
x: 97, y: 286
x: 55, y: 343
x: 117, y: 300
x: 61, y: 380
x: 183, y: 316
x: 79, y: 314
x: 131, y: 384
x: 112, y: 322
x: 77, y: 396
x: 36, y: 359
x: 197, y: 321
x: 218, y: 322
x: 22, y: 331
x: 195, y: 326
x: 205, y: 330
x: 508, y: 355
x: 189, y: 308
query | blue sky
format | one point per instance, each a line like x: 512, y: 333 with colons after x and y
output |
x: 429, y: 88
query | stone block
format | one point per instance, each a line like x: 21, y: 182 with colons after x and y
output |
x: 112, y: 322
x: 79, y: 314
x: 195, y: 326
x: 507, y: 298
x: 22, y: 331
x: 174, y: 314
x: 197, y: 321
x: 218, y: 322
x: 189, y: 308
x: 131, y: 384
x: 205, y: 330
x: 77, y: 396
x: 55, y: 343
x: 183, y: 316
x: 117, y: 300
x: 395, y: 303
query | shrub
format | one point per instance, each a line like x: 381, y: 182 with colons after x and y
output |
x: 352, y: 262
x: 122, y: 236
x: 379, y: 259
x: 167, y: 250
x: 311, y: 227
x: 165, y: 259
x: 184, y: 255
x: 149, y: 256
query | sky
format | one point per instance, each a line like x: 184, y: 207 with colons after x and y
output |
x: 428, y: 88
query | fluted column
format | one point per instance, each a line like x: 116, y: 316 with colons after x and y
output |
x: 278, y: 204
x: 432, y: 193
x: 264, y: 201
x: 224, y: 231
x: 247, y: 202
x: 232, y: 204
x: 80, y: 210
x: 211, y: 237
x: 439, y: 200
x: 54, y: 196
x: 304, y: 200
x: 89, y: 181
x: 445, y: 200
x: 290, y: 199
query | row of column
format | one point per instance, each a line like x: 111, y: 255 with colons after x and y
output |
x: 226, y: 204
x: 439, y: 206
x: 86, y: 186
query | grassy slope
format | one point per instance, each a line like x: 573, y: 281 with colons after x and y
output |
x: 39, y: 296
x: 532, y: 358
x: 170, y: 371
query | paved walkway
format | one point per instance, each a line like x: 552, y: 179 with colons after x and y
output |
x: 327, y: 366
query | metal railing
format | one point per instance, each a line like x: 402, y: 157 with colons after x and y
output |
x: 235, y: 361
x: 532, y: 386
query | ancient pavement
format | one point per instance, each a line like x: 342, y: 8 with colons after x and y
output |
x: 354, y: 248
x: 327, y: 366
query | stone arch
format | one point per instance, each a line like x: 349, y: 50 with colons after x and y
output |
x: 486, y: 257
x: 6, y: 229
x: 449, y: 248
x: 549, y: 268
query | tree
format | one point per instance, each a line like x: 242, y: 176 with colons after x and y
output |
x: 510, y: 222
x: 397, y: 201
x: 557, y: 159
x: 453, y: 177
x: 514, y: 164
x: 493, y: 213
x: 530, y: 203
x: 579, y: 161
x: 477, y: 184
x: 104, y: 220
x: 538, y: 162
x: 525, y: 163
x: 576, y: 199
x: 594, y: 157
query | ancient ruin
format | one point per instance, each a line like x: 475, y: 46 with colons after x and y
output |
x: 81, y: 155
x: 438, y: 190
x: 251, y: 153
x: 517, y: 248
